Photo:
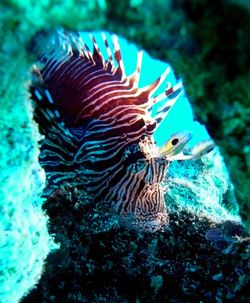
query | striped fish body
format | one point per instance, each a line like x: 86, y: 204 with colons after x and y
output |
x: 99, y: 129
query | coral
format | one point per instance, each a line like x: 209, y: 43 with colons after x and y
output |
x: 25, y: 242
x: 202, y: 255
x: 207, y: 45
x: 203, y: 187
x: 189, y: 262
x: 100, y: 260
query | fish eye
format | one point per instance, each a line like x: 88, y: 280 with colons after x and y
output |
x: 174, y: 141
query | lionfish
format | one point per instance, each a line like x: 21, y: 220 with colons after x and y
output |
x: 98, y: 127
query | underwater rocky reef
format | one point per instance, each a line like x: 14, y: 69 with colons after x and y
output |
x: 202, y: 253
